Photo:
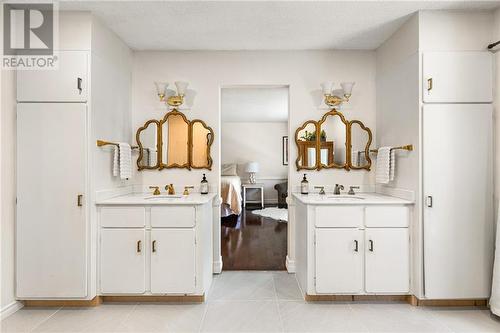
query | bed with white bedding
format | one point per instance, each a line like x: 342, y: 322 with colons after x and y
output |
x: 230, y: 192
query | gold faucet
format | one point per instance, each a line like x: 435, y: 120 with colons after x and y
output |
x: 186, y: 190
x: 157, y: 190
x: 170, y: 189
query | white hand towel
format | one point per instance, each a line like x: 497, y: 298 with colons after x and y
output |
x: 495, y: 287
x: 382, y: 171
x: 125, y: 160
x: 116, y: 161
x: 392, y: 169
x: 355, y: 158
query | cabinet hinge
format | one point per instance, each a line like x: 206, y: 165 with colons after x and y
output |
x: 315, y: 281
x: 195, y: 280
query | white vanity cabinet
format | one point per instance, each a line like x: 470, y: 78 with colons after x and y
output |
x: 353, y: 249
x: 155, y: 249
x: 123, y: 260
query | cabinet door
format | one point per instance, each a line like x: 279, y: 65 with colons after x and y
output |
x: 387, y: 264
x: 123, y: 261
x: 67, y: 83
x: 339, y: 260
x: 458, y: 211
x: 457, y: 77
x: 51, y: 223
x: 173, y: 263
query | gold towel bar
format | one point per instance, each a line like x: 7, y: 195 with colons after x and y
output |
x: 101, y: 143
x: 407, y: 147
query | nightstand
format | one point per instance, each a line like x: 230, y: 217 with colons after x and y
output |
x: 257, y: 186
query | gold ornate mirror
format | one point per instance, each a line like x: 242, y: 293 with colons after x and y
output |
x: 174, y: 142
x: 333, y: 142
x: 148, y: 138
x: 361, y: 139
x: 305, y: 137
x: 203, y: 138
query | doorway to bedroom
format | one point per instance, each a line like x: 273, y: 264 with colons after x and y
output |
x: 254, y: 177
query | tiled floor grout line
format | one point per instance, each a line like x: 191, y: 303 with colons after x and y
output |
x: 276, y: 301
x: 43, y: 321
x: 128, y: 315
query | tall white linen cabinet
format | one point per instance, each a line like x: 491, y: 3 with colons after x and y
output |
x: 457, y: 174
x: 60, y: 114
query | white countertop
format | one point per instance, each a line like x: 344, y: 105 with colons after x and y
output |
x: 345, y: 199
x: 163, y: 199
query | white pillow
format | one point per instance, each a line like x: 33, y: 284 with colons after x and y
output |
x: 228, y: 170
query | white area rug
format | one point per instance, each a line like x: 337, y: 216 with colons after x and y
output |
x: 280, y: 214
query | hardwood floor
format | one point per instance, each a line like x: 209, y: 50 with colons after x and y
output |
x: 252, y: 242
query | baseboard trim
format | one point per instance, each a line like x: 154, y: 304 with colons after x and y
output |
x: 217, y: 266
x: 410, y: 299
x: 356, y: 298
x: 96, y: 301
x: 10, y: 309
x: 482, y: 302
x: 290, y: 265
x: 163, y: 298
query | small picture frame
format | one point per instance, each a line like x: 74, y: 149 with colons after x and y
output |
x: 284, y: 150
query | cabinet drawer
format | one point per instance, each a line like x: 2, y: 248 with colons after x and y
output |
x: 387, y: 216
x: 123, y: 217
x: 173, y: 217
x: 339, y: 216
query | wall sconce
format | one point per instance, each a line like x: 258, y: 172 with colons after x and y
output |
x: 175, y: 100
x: 334, y: 100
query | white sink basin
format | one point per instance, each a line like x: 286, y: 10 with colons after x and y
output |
x: 163, y: 196
x: 345, y: 197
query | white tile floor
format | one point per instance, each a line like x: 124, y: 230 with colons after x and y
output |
x: 253, y: 302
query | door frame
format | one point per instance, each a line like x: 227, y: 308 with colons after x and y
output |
x: 217, y: 251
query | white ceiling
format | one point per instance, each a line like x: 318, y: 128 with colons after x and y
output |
x: 254, y: 104
x: 260, y: 25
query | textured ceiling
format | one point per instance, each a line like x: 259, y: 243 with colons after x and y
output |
x: 260, y: 25
x: 254, y: 104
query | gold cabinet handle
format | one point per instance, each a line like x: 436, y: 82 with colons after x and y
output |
x: 79, y: 201
x: 154, y: 246
x: 139, y: 247
x: 429, y: 84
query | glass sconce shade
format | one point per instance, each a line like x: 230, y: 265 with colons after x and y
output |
x: 327, y: 87
x: 181, y: 87
x: 161, y: 89
x: 347, y: 88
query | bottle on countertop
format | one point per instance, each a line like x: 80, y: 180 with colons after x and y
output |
x: 204, y: 185
x: 304, y: 185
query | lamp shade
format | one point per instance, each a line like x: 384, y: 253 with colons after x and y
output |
x: 347, y: 87
x: 181, y: 87
x: 327, y: 87
x: 252, y: 167
x: 161, y: 88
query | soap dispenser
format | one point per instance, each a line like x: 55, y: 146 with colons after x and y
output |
x: 304, y: 185
x: 204, y: 185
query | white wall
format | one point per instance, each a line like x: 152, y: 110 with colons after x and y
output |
x: 496, y: 102
x: 208, y: 72
x: 242, y: 142
x: 398, y: 117
x: 455, y: 30
x: 111, y: 96
x: 8, y: 187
